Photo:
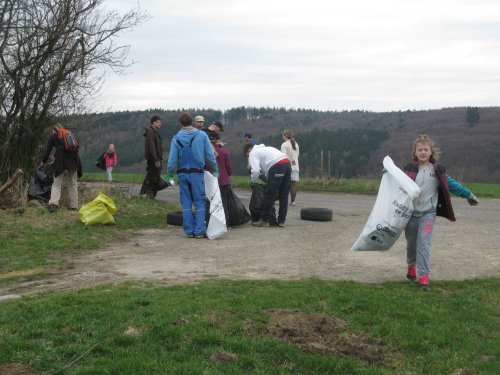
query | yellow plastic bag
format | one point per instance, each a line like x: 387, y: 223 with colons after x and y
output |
x: 99, y: 211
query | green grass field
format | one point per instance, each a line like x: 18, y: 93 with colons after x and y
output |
x: 345, y: 328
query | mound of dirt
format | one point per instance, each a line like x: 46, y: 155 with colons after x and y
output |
x: 16, y: 369
x: 319, y: 333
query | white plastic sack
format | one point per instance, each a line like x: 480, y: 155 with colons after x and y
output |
x: 391, y: 212
x: 217, y: 224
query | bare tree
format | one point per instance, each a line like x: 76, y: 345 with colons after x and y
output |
x: 53, y: 58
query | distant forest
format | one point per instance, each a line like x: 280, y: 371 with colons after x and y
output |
x: 333, y: 144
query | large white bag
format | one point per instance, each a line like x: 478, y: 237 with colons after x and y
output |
x: 217, y: 224
x: 391, y: 212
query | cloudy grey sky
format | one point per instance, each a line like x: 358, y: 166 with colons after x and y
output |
x: 379, y: 55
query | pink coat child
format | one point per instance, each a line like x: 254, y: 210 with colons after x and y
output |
x: 111, y: 160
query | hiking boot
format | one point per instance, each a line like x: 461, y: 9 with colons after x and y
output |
x: 412, y: 273
x: 263, y: 223
x: 424, y: 282
x: 53, y: 208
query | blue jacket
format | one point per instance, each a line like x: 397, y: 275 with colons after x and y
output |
x: 201, y: 149
x: 447, y: 185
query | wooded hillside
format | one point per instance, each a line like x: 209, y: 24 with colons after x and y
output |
x: 333, y: 144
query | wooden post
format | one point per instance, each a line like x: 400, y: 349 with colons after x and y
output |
x: 329, y: 164
x: 11, y: 180
x: 321, y: 165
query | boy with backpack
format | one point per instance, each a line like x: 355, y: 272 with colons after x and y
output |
x: 62, y: 148
x: 189, y: 149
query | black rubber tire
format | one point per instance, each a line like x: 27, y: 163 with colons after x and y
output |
x: 316, y: 214
x: 174, y: 218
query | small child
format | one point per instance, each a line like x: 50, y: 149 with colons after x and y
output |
x: 434, y: 199
x: 110, y: 160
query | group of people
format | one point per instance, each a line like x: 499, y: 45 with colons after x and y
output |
x: 195, y: 149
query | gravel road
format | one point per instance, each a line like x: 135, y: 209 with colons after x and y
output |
x: 468, y: 248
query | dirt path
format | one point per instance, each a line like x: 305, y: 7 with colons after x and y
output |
x: 465, y: 249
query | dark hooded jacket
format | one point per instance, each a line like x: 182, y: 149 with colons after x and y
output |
x: 63, y: 161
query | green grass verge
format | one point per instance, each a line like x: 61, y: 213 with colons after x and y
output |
x: 143, y: 329
x: 338, y: 185
x: 33, y: 238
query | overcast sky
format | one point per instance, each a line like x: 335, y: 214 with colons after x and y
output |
x: 381, y: 55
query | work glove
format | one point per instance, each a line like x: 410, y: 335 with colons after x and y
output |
x: 473, y: 201
x: 170, y: 179
x: 216, y: 174
x: 158, y: 164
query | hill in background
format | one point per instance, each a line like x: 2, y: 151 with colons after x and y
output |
x: 332, y: 144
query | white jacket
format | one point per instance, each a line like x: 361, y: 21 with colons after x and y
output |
x: 293, y: 155
x: 261, y: 159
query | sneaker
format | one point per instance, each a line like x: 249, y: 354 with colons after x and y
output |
x: 190, y: 235
x: 293, y: 203
x: 412, y: 273
x: 424, y: 282
x: 53, y: 208
x: 263, y: 223
x: 200, y: 236
x: 281, y: 225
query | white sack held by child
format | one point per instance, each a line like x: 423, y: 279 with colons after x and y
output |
x: 391, y: 212
x: 217, y: 224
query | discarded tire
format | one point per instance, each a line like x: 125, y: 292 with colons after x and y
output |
x: 316, y: 214
x: 174, y: 217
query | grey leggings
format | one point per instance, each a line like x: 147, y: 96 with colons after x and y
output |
x: 418, y: 233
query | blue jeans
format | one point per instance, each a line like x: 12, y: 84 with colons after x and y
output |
x: 277, y: 187
x: 418, y: 233
x: 192, y: 192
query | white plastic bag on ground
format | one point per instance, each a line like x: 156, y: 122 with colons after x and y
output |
x: 391, y: 212
x: 217, y: 224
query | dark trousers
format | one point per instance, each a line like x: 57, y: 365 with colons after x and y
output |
x: 278, y: 185
x: 153, y: 176
x: 225, y: 193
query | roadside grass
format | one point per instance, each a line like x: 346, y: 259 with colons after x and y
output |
x: 223, y: 327
x: 332, y: 185
x: 34, y: 239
